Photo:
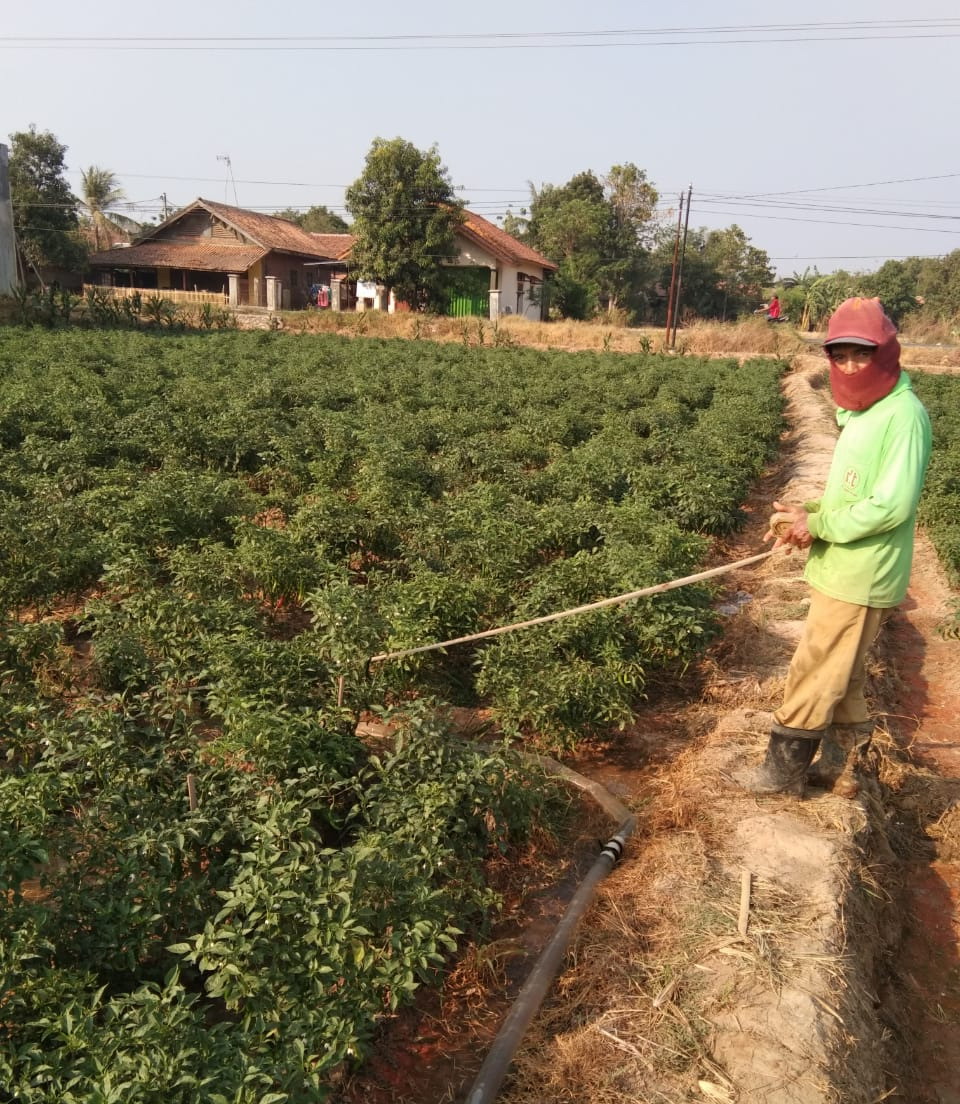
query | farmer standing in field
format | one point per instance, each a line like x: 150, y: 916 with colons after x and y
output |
x: 860, y: 537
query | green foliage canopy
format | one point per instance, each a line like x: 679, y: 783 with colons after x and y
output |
x: 101, y: 195
x: 598, y: 232
x: 317, y: 219
x: 405, y: 218
x: 45, y: 211
x: 723, y: 273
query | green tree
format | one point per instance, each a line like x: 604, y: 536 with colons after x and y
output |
x: 742, y: 269
x: 316, y: 220
x: 795, y: 296
x: 938, y: 284
x: 633, y: 201
x: 895, y: 283
x: 599, y: 232
x: 700, y: 293
x: 724, y: 275
x: 102, y: 193
x: 825, y: 294
x: 45, y: 211
x: 405, y: 219
x: 573, y: 225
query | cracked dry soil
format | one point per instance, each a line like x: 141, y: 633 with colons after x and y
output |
x: 836, y: 980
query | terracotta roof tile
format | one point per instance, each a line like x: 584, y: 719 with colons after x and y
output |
x: 334, y: 246
x: 501, y: 244
x: 266, y: 233
x: 201, y: 254
x: 266, y: 230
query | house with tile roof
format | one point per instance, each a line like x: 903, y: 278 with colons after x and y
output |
x: 250, y: 258
x: 493, y: 275
x: 516, y: 272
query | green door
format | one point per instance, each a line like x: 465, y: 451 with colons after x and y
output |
x: 463, y: 306
x: 469, y: 292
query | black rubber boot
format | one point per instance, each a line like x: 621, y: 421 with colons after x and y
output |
x: 842, y: 746
x: 784, y: 767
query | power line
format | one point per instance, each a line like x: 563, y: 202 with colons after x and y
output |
x: 804, y: 27
x: 843, y: 187
x: 865, y: 257
x: 725, y: 196
x: 300, y: 48
x: 855, y: 31
x: 831, y: 208
x: 278, y: 183
x: 835, y: 222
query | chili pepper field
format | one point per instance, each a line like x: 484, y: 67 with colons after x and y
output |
x: 212, y: 889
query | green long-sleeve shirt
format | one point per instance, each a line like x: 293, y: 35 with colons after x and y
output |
x: 863, y: 525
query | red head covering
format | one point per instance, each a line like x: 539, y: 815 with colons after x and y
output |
x: 858, y: 321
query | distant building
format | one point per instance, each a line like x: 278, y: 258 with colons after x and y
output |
x: 251, y: 259
x: 245, y: 258
x: 492, y: 275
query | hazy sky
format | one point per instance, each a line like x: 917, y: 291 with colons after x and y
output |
x: 825, y: 106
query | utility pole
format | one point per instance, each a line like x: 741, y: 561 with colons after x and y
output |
x: 673, y: 273
x: 163, y: 196
x: 683, y: 253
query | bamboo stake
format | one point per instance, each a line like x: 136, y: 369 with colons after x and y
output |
x: 744, y: 918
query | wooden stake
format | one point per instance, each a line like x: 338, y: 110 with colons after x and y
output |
x: 744, y: 918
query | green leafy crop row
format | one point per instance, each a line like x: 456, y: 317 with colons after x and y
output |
x: 210, y: 888
x: 940, y: 503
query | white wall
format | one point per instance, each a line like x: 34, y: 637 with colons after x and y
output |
x: 508, y: 292
x: 470, y: 254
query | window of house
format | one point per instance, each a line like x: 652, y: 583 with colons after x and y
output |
x: 526, y: 290
x: 293, y: 277
x: 522, y: 281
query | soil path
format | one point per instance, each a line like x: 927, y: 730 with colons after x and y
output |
x: 929, y: 720
x: 679, y: 986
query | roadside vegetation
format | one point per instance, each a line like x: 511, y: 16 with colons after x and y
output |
x: 608, y: 233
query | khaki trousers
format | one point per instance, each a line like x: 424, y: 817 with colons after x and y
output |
x: 827, y: 672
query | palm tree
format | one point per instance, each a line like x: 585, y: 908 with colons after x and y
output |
x: 101, y: 193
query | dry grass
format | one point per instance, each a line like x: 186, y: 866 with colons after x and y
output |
x: 931, y: 359
x: 624, y: 1024
x: 747, y: 337
x: 658, y: 958
x: 750, y: 337
x: 931, y: 331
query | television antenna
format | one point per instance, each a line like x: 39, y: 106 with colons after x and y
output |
x: 226, y: 157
